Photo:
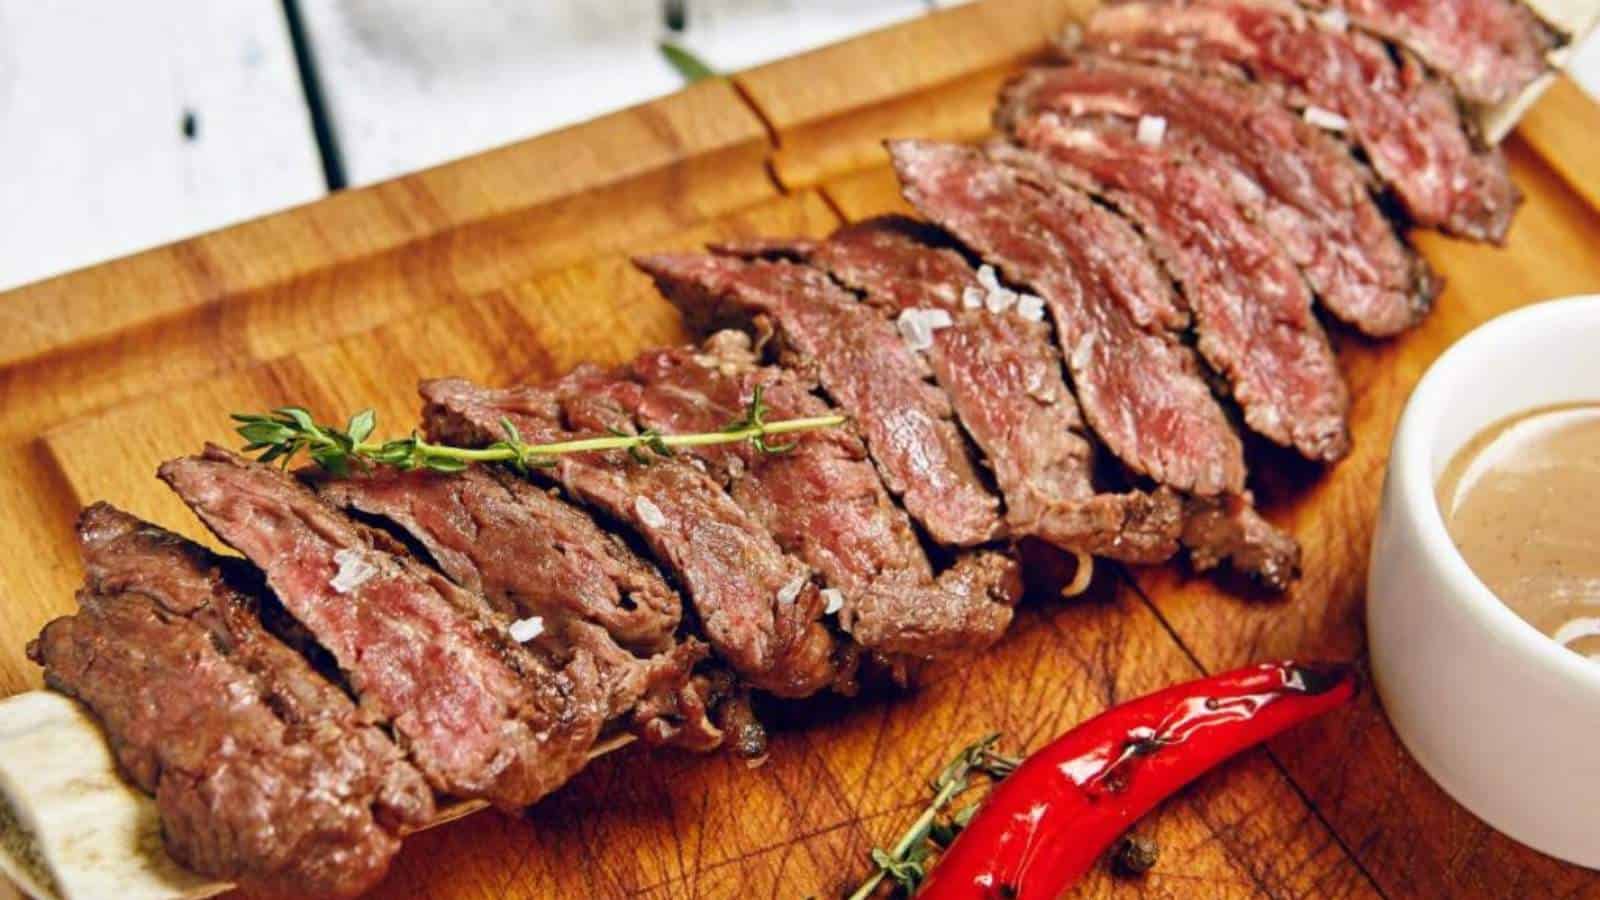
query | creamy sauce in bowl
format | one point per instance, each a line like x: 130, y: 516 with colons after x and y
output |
x: 1521, y: 501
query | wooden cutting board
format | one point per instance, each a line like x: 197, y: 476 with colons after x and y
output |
x: 512, y: 265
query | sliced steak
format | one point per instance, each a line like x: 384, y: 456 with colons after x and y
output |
x: 1489, y: 50
x: 823, y: 502
x: 756, y: 603
x: 533, y: 556
x: 1003, y: 375
x: 1116, y: 314
x: 1303, y: 185
x: 528, y: 552
x: 1116, y: 317
x: 264, y: 773
x: 1407, y: 122
x: 1251, y: 308
x: 1229, y: 529
x: 864, y: 366
x: 480, y: 714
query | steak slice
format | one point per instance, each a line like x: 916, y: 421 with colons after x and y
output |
x: 1302, y: 184
x: 1407, y: 122
x: 756, y: 603
x: 1115, y: 311
x: 264, y: 773
x: 533, y: 556
x: 823, y: 502
x: 529, y: 553
x: 1252, y: 310
x: 480, y: 714
x: 1489, y: 50
x: 864, y: 366
x: 1003, y: 375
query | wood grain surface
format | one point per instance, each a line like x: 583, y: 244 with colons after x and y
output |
x: 512, y: 266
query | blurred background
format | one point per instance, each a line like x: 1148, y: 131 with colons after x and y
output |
x: 126, y: 125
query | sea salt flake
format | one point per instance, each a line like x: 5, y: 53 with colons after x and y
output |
x: 972, y: 297
x: 834, y: 600
x: 1151, y: 130
x: 525, y: 630
x: 1323, y: 118
x: 1031, y: 308
x: 354, y: 571
x: 937, y: 319
x: 1334, y: 19
x: 1000, y: 300
x: 987, y: 278
x: 649, y: 513
x: 1082, y: 353
x: 788, y: 592
x: 914, y: 329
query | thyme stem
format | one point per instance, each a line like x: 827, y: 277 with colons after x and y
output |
x: 906, y: 861
x: 286, y: 432
x: 913, y: 837
x: 620, y: 442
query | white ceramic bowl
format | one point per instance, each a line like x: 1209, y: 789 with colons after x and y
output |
x: 1504, y: 719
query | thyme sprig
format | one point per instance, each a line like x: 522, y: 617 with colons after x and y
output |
x: 907, y: 861
x: 283, y: 434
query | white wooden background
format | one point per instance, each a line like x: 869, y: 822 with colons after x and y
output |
x: 126, y: 125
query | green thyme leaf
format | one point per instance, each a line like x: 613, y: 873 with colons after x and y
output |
x: 360, y: 427
x: 688, y: 65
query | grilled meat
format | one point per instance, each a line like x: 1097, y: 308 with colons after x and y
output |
x: 480, y: 715
x: 1115, y: 313
x: 1003, y: 375
x: 822, y: 500
x: 528, y: 552
x: 757, y: 604
x: 1116, y: 319
x: 533, y: 556
x: 263, y: 771
x: 1252, y: 310
x: 863, y: 365
x: 1489, y: 50
x: 1406, y: 121
x: 1301, y: 184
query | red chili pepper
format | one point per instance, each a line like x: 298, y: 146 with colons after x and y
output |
x: 1047, y: 823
